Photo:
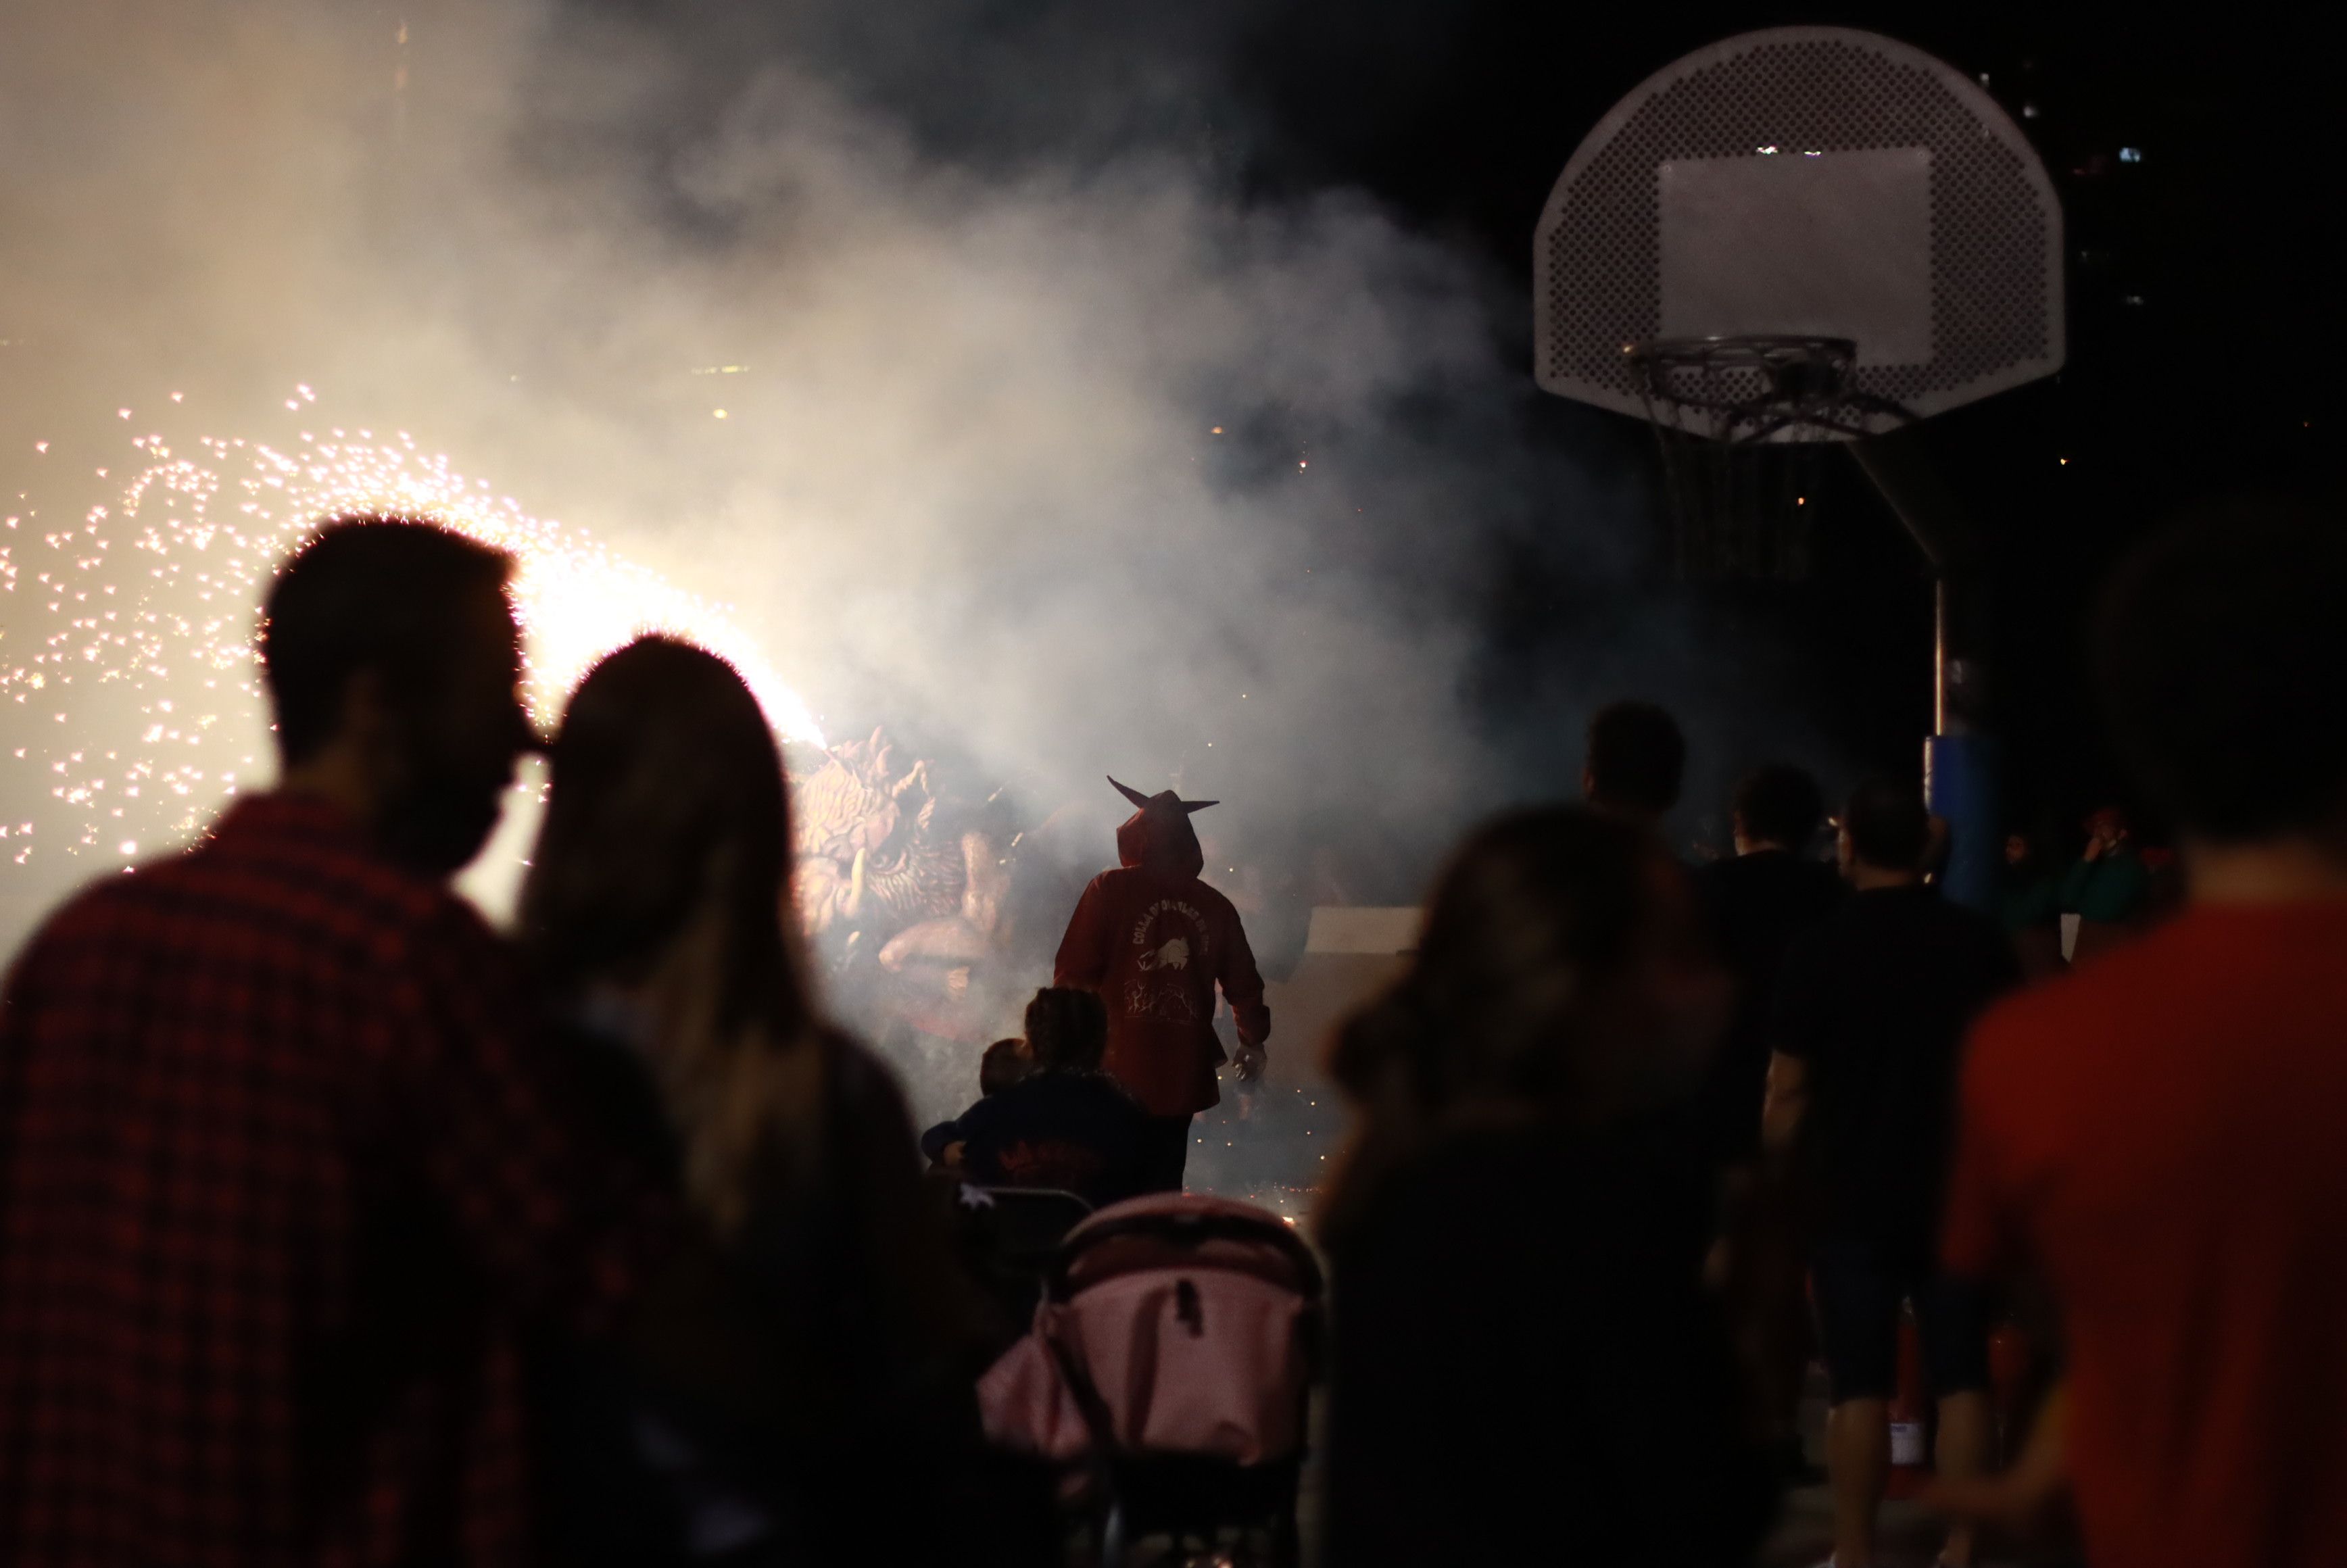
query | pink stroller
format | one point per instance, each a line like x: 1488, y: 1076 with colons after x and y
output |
x: 1171, y: 1358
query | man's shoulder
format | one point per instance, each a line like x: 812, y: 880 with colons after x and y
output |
x: 1104, y: 1096
x: 1094, y: 1090
x: 301, y: 881
x: 1772, y: 885
x: 2057, y: 1018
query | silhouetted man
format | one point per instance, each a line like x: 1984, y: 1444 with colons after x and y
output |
x: 278, y: 1176
x: 1156, y: 941
x: 1635, y: 763
x: 2157, y: 1136
x: 1759, y: 901
x: 1871, y: 1011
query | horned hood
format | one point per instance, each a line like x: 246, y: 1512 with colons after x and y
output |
x: 1159, y: 836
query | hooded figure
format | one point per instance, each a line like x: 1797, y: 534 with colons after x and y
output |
x: 1155, y: 941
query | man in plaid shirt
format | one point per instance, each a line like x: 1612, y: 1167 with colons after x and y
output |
x: 280, y: 1180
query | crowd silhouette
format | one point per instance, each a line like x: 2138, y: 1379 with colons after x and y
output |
x: 338, y: 1228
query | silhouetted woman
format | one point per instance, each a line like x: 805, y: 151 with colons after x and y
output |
x: 1525, y: 1365
x: 794, y: 1385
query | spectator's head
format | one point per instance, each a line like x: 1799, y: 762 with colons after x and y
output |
x: 1635, y: 762
x: 394, y: 668
x: 1067, y: 1029
x: 1885, y: 829
x: 1778, y: 807
x: 2018, y: 850
x: 2218, y: 649
x: 1005, y: 1063
x: 1561, y: 973
x: 663, y: 868
x: 2107, y: 826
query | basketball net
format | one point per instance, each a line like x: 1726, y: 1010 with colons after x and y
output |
x: 1737, y: 423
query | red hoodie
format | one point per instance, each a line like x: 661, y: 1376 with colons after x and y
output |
x: 1155, y: 941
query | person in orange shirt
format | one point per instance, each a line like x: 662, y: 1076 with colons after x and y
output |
x: 1156, y: 941
x: 2156, y: 1137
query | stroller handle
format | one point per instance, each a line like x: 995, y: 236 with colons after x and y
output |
x: 1189, y: 1230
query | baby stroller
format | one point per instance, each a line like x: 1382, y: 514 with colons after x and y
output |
x: 1171, y: 1364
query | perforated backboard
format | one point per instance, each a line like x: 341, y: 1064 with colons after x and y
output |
x: 1814, y: 182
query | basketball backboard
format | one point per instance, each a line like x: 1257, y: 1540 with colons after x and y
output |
x: 1800, y: 184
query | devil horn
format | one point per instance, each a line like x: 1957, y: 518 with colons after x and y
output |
x: 1198, y: 806
x: 1129, y: 792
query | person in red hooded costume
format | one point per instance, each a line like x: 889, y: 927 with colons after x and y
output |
x: 1155, y: 941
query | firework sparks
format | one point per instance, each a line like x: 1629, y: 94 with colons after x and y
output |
x: 130, y: 694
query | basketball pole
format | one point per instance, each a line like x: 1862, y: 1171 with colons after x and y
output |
x: 1960, y: 763
x: 1727, y: 240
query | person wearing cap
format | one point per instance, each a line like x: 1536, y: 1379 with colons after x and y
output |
x: 1156, y: 941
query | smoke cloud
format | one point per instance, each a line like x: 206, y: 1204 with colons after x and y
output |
x: 972, y: 379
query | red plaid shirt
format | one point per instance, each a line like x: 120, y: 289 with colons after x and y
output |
x: 281, y: 1179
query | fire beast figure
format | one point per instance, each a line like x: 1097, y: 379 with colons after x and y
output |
x: 1155, y: 941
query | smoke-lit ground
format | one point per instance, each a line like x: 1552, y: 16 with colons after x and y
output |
x: 952, y: 373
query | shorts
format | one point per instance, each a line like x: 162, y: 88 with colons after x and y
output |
x: 1859, y: 1292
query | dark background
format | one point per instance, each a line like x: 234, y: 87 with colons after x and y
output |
x: 2203, y: 283
x: 2203, y: 307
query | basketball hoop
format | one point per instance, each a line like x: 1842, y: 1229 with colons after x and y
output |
x: 1759, y: 388
x: 1722, y: 409
x: 1786, y: 240
x: 1796, y: 239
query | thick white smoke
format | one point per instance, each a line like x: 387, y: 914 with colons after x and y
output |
x: 1071, y: 464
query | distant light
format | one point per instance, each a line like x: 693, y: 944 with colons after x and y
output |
x: 2132, y: 299
x: 130, y: 846
x: 1984, y: 78
x: 1800, y: 500
x: 2029, y: 111
x: 2064, y: 462
x: 2130, y: 155
x: 1303, y: 465
x: 721, y: 414
x: 1769, y: 148
x: 1811, y: 152
x: 1216, y: 431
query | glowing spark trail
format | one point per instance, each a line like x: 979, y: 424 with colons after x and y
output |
x: 130, y: 694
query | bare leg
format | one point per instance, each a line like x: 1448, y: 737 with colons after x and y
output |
x: 1967, y: 1432
x: 1857, y: 1465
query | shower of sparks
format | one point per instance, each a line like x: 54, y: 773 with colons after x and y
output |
x: 130, y: 705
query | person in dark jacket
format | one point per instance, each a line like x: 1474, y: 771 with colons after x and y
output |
x: 796, y: 1384
x: 1002, y: 1064
x: 1758, y: 903
x: 2029, y: 904
x: 1065, y: 1123
x: 1635, y: 764
x: 1156, y: 942
x: 1525, y: 1366
x: 1871, y: 1012
x: 2108, y: 887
